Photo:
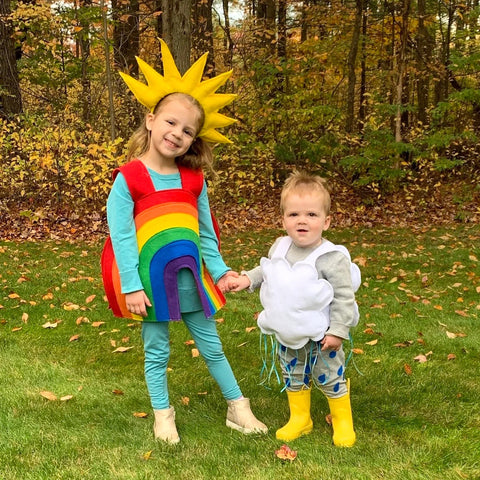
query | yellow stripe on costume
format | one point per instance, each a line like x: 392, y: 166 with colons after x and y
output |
x: 152, y: 227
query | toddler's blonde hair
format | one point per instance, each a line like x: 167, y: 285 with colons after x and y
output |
x: 302, y: 183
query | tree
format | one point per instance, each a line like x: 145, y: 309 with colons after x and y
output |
x: 10, y: 95
x: 352, y: 64
x: 176, y: 29
x: 126, y: 35
x: 202, y: 33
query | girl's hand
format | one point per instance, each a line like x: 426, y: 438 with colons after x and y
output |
x: 331, y: 342
x: 239, y: 284
x: 224, y: 284
x: 137, y: 302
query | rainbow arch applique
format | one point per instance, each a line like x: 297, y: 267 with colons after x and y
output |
x: 168, y: 241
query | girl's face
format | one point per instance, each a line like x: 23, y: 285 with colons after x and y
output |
x: 173, y: 128
x: 304, y: 218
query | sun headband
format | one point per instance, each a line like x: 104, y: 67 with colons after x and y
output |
x: 159, y: 86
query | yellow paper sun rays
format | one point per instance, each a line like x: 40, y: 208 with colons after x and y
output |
x: 158, y: 86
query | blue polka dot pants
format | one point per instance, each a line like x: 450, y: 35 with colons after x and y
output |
x: 309, y: 365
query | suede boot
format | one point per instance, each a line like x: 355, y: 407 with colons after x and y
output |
x: 300, y: 422
x: 241, y: 418
x: 164, y: 426
x: 342, y: 421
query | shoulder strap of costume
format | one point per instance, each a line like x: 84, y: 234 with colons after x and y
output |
x: 282, y: 247
x: 192, y: 180
x: 137, y: 177
x: 327, y: 247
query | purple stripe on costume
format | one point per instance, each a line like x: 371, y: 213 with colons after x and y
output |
x: 171, y: 285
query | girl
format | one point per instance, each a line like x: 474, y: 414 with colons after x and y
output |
x: 173, y: 284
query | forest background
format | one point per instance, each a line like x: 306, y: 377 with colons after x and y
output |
x: 381, y: 97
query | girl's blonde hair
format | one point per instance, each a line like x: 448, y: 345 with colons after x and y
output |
x: 302, y: 183
x: 199, y: 155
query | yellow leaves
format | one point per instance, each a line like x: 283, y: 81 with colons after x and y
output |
x: 195, y: 353
x: 140, y: 414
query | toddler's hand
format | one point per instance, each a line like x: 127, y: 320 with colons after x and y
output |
x: 240, y: 283
x: 225, y: 282
x: 331, y: 342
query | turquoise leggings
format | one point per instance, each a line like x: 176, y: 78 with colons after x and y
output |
x: 156, y: 344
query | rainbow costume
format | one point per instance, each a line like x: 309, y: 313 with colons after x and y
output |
x: 166, y: 223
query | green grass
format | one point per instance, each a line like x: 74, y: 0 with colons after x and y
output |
x: 413, y: 420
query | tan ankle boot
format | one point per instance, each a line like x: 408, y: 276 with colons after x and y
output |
x: 164, y: 427
x: 241, y: 418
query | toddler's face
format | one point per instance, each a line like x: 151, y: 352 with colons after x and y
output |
x: 304, y: 218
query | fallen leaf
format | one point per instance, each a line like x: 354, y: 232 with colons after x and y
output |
x: 122, y: 349
x: 74, y: 338
x: 190, y: 342
x: 25, y: 317
x: 48, y: 395
x: 451, y: 356
x: 195, y: 353
x: 373, y: 342
x: 140, y: 414
x: 147, y: 455
x: 90, y: 299
x: 328, y: 419
x: 50, y: 325
x: 286, y: 453
x: 71, y: 306
x: 66, y: 398
x: 250, y: 329
x: 97, y: 324
x: 116, y: 391
x: 420, y: 358
x: 408, y: 369
x: 16, y: 329
x: 185, y: 401
x: 358, y: 351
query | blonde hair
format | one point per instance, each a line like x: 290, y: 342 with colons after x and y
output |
x: 302, y: 183
x: 198, y: 156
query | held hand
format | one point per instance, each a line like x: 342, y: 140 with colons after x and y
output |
x: 137, y: 302
x: 224, y: 284
x: 239, y: 284
x: 331, y: 342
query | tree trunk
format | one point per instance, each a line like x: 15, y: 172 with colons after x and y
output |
x: 351, y: 65
x: 126, y: 35
x: 265, y: 18
x: 423, y: 54
x: 362, y: 111
x: 176, y: 21
x: 228, y: 37
x: 84, y: 44
x: 202, y: 33
x: 401, y: 67
x: 10, y: 95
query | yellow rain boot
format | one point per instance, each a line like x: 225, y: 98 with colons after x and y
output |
x: 300, y: 422
x: 342, y: 421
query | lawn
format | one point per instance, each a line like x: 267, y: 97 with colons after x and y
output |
x: 74, y: 403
